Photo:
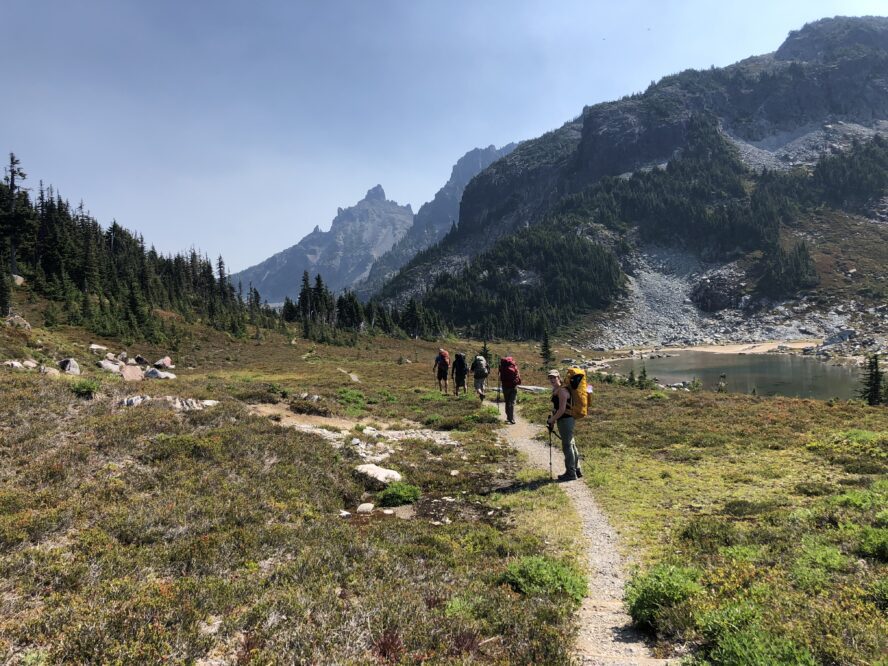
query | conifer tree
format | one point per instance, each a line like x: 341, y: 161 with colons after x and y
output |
x: 5, y: 293
x: 545, y: 349
x: 872, y: 384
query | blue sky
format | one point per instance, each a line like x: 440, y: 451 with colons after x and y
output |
x: 236, y: 127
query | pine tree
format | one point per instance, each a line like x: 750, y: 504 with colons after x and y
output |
x: 485, y: 352
x: 545, y: 349
x: 872, y: 382
x: 643, y: 377
x: 5, y: 293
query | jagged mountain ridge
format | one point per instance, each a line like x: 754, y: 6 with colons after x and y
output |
x: 343, y: 255
x: 831, y: 73
x: 434, y: 218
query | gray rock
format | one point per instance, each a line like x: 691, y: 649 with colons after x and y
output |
x: 366, y: 507
x: 15, y: 321
x: 96, y: 348
x: 49, y: 372
x: 376, y: 477
x: 29, y: 364
x: 141, y: 360
x: 18, y: 280
x: 109, y: 366
x: 154, y: 373
x: 15, y: 365
x: 131, y: 373
x: 165, y: 362
x: 69, y: 366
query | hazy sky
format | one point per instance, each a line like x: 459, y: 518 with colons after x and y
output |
x: 236, y: 127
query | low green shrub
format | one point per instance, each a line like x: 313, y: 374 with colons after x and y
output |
x: 709, y: 533
x: 539, y: 575
x: 878, y: 594
x: 874, y: 543
x: 755, y: 647
x: 663, y: 586
x: 398, y: 494
x: 85, y: 388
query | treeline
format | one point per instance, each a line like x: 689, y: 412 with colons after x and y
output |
x: 109, y: 282
x: 326, y: 318
x: 540, y: 276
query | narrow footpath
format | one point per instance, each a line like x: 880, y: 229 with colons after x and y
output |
x: 606, y: 637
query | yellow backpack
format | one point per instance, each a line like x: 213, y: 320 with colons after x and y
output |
x: 579, y: 397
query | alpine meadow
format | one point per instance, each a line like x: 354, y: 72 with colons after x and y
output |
x: 414, y: 438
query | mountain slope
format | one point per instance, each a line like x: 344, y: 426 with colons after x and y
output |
x: 343, y: 255
x: 434, y: 218
x: 763, y: 103
x: 823, y: 90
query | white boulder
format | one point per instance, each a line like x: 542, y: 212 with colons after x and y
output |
x: 377, y: 476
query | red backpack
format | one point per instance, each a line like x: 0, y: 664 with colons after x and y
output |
x: 508, y: 371
x: 444, y: 359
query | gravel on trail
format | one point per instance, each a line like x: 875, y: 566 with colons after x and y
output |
x: 606, y: 636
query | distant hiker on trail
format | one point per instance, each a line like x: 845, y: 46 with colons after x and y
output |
x: 509, y: 379
x: 459, y: 372
x: 564, y: 410
x: 441, y: 368
x: 479, y: 372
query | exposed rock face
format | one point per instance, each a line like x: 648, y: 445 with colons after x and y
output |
x: 434, y: 219
x: 358, y: 236
x: 824, y: 86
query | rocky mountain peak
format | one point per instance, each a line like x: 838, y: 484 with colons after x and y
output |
x: 824, y: 38
x: 375, y: 194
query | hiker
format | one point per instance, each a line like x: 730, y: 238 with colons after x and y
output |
x: 459, y: 372
x: 562, y: 416
x: 509, y: 379
x: 479, y: 372
x: 441, y: 368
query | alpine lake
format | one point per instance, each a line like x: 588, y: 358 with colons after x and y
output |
x: 763, y: 374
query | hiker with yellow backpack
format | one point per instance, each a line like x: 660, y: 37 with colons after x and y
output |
x: 570, y: 401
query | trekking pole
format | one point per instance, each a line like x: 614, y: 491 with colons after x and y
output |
x: 550, y: 454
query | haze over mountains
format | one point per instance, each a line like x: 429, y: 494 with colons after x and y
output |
x: 369, y: 241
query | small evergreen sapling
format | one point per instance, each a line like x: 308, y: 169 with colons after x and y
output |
x: 872, y: 385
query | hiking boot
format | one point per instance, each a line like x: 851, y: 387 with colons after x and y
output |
x: 579, y: 473
x: 481, y: 395
x: 567, y: 477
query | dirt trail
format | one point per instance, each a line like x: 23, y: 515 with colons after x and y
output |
x: 606, y: 637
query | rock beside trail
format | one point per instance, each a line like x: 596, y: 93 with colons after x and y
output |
x: 131, y: 373
x: 49, y: 372
x: 18, y: 280
x: 15, y: 321
x: 366, y: 507
x: 109, y: 366
x: 165, y: 362
x: 377, y: 477
x: 141, y: 360
x: 15, y: 365
x: 154, y: 373
x: 95, y: 349
x: 69, y: 366
x: 178, y: 404
x: 29, y: 364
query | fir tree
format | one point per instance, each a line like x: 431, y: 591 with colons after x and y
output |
x: 5, y: 292
x: 872, y: 385
x: 545, y: 349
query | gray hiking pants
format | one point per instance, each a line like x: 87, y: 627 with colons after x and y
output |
x: 568, y: 444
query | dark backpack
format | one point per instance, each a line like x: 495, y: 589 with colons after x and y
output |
x: 459, y: 364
